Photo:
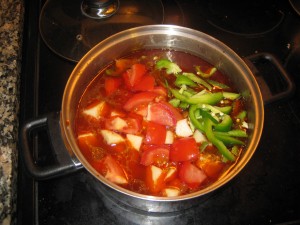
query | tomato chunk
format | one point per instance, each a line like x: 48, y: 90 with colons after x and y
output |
x: 138, y: 99
x: 133, y: 164
x: 134, y: 75
x: 113, y: 171
x: 111, y: 85
x: 184, y: 149
x: 157, y: 155
x: 163, y: 113
x: 160, y: 90
x: 146, y: 84
x: 128, y: 125
x: 191, y: 174
x: 155, y: 133
x: 211, y: 165
x: 86, y: 141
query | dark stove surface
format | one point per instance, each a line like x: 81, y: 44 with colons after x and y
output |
x: 265, y: 192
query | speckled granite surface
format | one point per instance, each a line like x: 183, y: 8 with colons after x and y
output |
x: 11, y: 17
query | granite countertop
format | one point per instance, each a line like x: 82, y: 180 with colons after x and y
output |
x: 11, y: 24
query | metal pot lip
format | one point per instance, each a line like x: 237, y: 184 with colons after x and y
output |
x: 163, y: 30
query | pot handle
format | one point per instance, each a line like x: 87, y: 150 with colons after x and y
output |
x: 274, y: 82
x: 65, y: 163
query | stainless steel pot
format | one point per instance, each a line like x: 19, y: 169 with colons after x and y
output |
x: 161, y: 37
x: 145, y: 37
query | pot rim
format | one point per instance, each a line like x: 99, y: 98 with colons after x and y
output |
x: 66, y: 122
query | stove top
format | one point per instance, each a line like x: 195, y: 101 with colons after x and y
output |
x: 265, y: 192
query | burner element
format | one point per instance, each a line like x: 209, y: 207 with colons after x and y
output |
x: 243, y: 18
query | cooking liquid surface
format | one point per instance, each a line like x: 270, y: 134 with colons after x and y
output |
x: 99, y: 152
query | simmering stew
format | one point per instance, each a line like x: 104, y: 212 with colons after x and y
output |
x: 161, y: 122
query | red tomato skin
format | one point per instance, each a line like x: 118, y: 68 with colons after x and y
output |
x: 191, y: 174
x: 153, y: 154
x: 155, y: 134
x: 184, y: 149
x: 141, y: 110
x: 112, y: 170
x: 138, y: 99
x: 136, y: 170
x: 146, y: 84
x: 134, y: 75
x: 111, y: 85
x: 160, y: 90
x: 163, y: 113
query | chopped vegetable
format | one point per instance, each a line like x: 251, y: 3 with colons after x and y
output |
x: 208, y: 124
x: 111, y: 137
x: 158, y: 129
x: 205, y: 74
x: 198, y: 80
x: 183, y: 128
x: 230, y: 95
x: 184, y: 80
x: 171, y: 68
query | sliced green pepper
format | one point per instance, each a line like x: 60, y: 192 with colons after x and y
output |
x: 225, y: 125
x: 207, y: 98
x: 227, y: 139
x: 184, y: 80
x: 183, y: 105
x: 198, y: 80
x: 235, y: 133
x: 242, y: 115
x: 175, y: 102
x: 208, y: 126
x: 217, y: 84
x: 197, y: 124
x: 231, y: 95
x: 210, y: 115
x: 203, y: 74
x: 224, y: 109
x: 171, y: 68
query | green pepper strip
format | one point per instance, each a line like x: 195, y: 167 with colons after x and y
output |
x: 208, y: 98
x: 183, y: 105
x: 198, y: 125
x: 181, y: 80
x: 208, y: 114
x: 208, y: 124
x: 227, y: 140
x: 203, y: 74
x: 171, y: 68
x: 242, y: 115
x: 217, y: 84
x: 231, y: 95
x: 225, y: 125
x: 198, y: 80
x: 175, y: 102
x: 224, y: 109
x: 234, y: 133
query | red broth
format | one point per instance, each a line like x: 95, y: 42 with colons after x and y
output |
x: 134, y: 131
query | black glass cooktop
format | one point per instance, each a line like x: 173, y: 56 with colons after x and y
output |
x: 265, y: 192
